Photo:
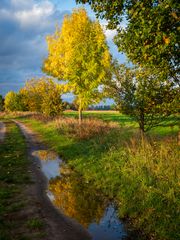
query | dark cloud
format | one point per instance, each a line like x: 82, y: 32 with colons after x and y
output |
x: 23, y: 27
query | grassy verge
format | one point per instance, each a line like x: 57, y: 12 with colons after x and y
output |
x: 16, y: 211
x: 141, y: 176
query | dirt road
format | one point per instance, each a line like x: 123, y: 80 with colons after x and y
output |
x: 58, y: 226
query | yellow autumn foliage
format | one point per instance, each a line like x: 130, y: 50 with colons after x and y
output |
x: 76, y: 199
x: 43, y: 95
x: 79, y: 55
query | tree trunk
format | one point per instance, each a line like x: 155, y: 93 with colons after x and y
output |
x: 142, y: 134
x: 80, y: 112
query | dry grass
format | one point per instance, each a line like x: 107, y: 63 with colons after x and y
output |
x: 2, y: 114
x: 41, y: 117
x: 87, y: 129
x: 15, y: 114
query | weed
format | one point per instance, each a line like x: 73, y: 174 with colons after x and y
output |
x: 35, y: 223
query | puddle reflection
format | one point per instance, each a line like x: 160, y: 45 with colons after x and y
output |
x: 79, y: 200
x: 50, y: 163
x: 109, y: 227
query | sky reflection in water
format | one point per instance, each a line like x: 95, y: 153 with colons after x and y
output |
x: 50, y: 163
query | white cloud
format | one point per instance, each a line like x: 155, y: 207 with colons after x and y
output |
x: 5, y: 14
x: 37, y: 14
x: 24, y: 24
x: 110, y: 34
x: 21, y: 3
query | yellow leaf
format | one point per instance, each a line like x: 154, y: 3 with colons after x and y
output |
x: 166, y: 40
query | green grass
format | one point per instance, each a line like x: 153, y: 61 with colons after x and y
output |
x: 141, y: 176
x: 168, y: 127
x: 13, y: 175
x: 34, y: 223
x: 114, y: 116
x: 70, y: 148
x: 14, y: 178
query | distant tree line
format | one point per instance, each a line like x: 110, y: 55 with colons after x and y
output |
x: 103, y: 107
x: 42, y: 95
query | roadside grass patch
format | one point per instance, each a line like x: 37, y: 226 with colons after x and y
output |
x: 16, y: 114
x: 87, y: 129
x: 149, y: 187
x: 14, y: 179
x: 35, y: 223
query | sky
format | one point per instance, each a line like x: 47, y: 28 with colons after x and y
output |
x: 24, y: 25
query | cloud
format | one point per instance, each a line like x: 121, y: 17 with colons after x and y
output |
x: 38, y: 13
x: 24, y: 24
x: 21, y: 4
x: 23, y: 28
x: 110, y: 34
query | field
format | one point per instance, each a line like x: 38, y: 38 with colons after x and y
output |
x: 140, y: 174
x: 167, y: 128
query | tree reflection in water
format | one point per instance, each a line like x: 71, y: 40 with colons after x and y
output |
x: 45, y: 155
x: 79, y: 200
x: 76, y: 198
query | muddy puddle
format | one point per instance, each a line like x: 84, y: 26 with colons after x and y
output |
x: 79, y: 200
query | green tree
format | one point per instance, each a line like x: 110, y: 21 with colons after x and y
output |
x: 148, y: 98
x: 32, y: 96
x: 1, y: 104
x: 151, y: 35
x: 10, y: 101
x: 43, y: 95
x: 79, y: 55
x: 14, y: 102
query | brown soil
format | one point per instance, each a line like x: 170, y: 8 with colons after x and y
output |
x: 56, y: 225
